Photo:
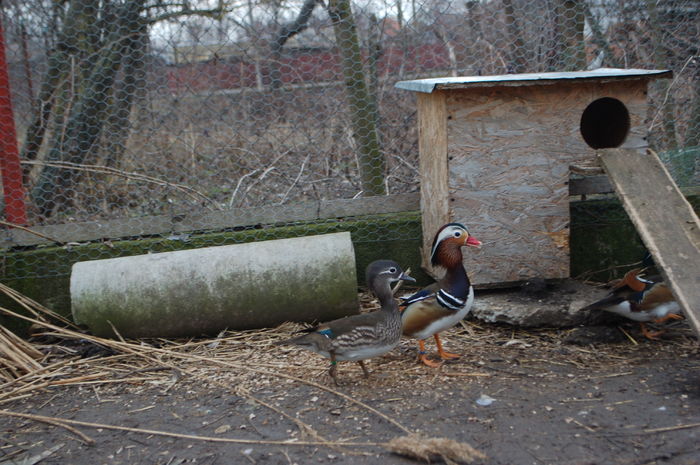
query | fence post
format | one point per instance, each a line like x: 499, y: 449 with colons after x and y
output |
x: 15, y: 209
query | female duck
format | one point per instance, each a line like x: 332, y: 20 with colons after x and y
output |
x: 359, y: 337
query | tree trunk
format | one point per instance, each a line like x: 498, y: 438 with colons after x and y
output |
x: 599, y: 39
x: 692, y: 138
x: 516, y: 54
x: 285, y: 33
x: 572, y: 56
x: 444, y: 36
x: 375, y: 54
x: 118, y: 123
x: 78, y: 15
x: 362, y: 109
x: 86, y: 118
x: 666, y: 118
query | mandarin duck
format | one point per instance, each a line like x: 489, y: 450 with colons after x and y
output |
x: 641, y: 300
x: 359, y: 337
x: 447, y: 301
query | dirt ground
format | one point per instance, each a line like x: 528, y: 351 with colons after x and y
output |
x: 583, y: 396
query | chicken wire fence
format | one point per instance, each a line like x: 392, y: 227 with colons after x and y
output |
x: 130, y: 114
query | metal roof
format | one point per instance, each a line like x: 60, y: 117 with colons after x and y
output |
x: 605, y: 74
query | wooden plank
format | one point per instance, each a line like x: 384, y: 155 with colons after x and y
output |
x: 207, y: 220
x: 664, y: 219
x: 339, y: 208
x: 601, y: 185
x: 477, y: 85
x: 590, y: 185
x: 432, y: 146
x: 600, y: 75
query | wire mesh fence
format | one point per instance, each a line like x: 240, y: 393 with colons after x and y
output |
x: 131, y: 114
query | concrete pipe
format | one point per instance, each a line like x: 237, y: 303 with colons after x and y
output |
x: 203, y: 291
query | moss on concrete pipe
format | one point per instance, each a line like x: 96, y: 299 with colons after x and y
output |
x: 202, y: 291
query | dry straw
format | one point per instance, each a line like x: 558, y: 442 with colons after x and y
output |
x: 26, y: 371
x: 17, y: 357
x: 251, y: 359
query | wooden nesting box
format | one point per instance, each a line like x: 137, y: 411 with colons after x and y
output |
x: 495, y: 153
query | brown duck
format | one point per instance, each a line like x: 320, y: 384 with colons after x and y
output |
x: 446, y: 302
x: 359, y: 337
x: 641, y: 300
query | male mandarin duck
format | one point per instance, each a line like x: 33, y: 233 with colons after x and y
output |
x: 359, y: 337
x: 641, y: 300
x: 444, y: 303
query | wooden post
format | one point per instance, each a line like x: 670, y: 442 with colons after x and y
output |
x: 432, y: 144
x: 664, y: 219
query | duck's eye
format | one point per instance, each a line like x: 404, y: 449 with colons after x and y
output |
x: 392, y: 270
x: 458, y: 233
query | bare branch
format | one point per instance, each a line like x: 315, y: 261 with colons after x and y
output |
x: 186, y: 10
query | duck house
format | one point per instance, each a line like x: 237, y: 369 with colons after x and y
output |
x: 496, y: 152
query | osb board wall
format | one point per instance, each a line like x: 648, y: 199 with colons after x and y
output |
x: 508, y: 156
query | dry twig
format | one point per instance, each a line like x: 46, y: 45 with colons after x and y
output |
x: 194, y: 193
x: 68, y: 424
x: 30, y: 231
x: 412, y: 445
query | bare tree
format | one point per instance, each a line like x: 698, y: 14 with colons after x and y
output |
x: 59, y: 62
x: 516, y: 53
x: 600, y: 39
x: 84, y: 123
x: 668, y: 137
x: 287, y: 31
x: 571, y: 22
x: 362, y: 106
x: 80, y: 94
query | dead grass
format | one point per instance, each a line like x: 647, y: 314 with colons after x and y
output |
x: 17, y: 357
x: 252, y: 358
x: 250, y: 150
x: 246, y: 355
x: 431, y: 449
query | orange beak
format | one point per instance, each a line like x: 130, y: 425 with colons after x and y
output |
x: 473, y: 242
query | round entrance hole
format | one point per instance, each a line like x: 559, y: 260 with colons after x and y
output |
x: 605, y: 123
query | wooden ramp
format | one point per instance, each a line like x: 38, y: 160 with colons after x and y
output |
x: 664, y: 219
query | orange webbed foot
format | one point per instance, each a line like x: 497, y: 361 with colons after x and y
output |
x: 448, y: 355
x: 423, y: 357
x: 670, y: 316
x: 427, y: 362
x: 651, y: 335
x: 441, y: 352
